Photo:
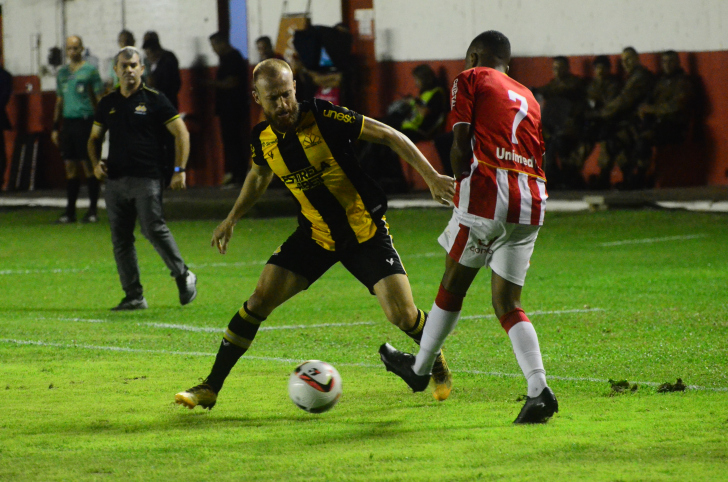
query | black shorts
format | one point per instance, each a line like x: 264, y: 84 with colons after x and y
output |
x: 74, y: 139
x: 369, y: 262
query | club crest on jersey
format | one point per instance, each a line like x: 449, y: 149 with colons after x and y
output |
x: 307, y: 178
x: 500, y: 153
x: 311, y: 140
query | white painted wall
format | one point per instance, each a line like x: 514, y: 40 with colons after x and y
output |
x: 264, y: 17
x: 183, y: 27
x: 442, y: 29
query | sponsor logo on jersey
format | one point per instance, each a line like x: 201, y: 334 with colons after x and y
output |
x: 501, y: 153
x: 307, y: 178
x: 112, y: 111
x: 141, y: 109
x: 340, y: 116
x: 311, y: 140
x: 454, y: 93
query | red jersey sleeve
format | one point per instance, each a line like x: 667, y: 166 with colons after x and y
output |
x: 461, y: 100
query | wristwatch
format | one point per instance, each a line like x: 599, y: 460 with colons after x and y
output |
x: 179, y: 169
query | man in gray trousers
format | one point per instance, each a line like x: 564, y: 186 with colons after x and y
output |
x: 137, y: 118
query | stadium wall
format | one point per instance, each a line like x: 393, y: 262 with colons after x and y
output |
x: 405, y: 34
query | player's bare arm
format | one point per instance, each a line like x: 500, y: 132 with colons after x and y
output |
x: 94, y: 148
x: 181, y: 151
x: 256, y: 182
x: 461, y: 152
x: 442, y: 187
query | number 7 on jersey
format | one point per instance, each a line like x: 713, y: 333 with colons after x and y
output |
x: 522, y: 112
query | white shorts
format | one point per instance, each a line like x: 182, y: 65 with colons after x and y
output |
x: 505, y: 247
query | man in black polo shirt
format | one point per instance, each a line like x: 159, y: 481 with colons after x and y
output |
x: 137, y: 119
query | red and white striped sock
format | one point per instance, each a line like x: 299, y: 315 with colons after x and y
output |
x: 441, y: 321
x: 525, y: 346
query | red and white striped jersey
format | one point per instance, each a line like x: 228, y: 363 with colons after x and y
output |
x: 506, y: 181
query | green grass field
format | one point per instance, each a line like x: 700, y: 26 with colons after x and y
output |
x: 636, y: 295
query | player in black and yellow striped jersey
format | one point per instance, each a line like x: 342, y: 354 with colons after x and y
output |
x: 308, y: 145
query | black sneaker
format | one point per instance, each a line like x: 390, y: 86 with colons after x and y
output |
x: 131, y: 304
x: 202, y: 395
x: 187, y: 285
x: 90, y: 217
x: 400, y: 364
x: 66, y: 219
x: 538, y: 409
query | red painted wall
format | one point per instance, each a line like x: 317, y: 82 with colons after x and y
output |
x: 703, y: 160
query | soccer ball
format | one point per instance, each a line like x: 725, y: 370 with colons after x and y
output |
x: 314, y: 386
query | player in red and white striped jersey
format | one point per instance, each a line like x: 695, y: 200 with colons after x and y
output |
x: 497, y: 157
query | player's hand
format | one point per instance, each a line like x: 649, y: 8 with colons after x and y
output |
x: 178, y: 181
x: 54, y: 138
x: 100, y: 171
x: 221, y: 236
x: 443, y: 189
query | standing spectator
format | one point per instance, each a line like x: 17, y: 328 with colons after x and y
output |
x: 665, y: 117
x: 137, y: 119
x: 124, y: 39
x: 620, y: 117
x: 163, y: 75
x: 163, y: 72
x: 564, y: 105
x: 6, y: 88
x: 78, y: 89
x: 265, y: 49
x: 231, y: 106
x: 499, y: 207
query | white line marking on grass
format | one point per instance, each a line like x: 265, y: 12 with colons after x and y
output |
x: 238, y: 264
x: 538, y: 312
x: 291, y: 360
x: 42, y: 271
x: 47, y: 202
x: 206, y: 329
x: 653, y: 240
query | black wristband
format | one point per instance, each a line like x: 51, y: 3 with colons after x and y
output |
x: 179, y: 169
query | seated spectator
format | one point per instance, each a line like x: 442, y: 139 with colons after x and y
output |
x: 664, y: 118
x: 419, y: 117
x: 416, y: 117
x: 620, y: 117
x: 599, y: 92
x: 564, y: 104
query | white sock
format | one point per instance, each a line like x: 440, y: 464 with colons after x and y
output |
x: 439, y: 324
x: 525, y: 346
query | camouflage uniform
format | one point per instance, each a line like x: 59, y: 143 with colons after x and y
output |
x: 620, y: 116
x: 565, y: 104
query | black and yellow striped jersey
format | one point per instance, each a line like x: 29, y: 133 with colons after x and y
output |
x: 339, y: 203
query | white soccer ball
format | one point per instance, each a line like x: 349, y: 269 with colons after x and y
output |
x: 314, y: 386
